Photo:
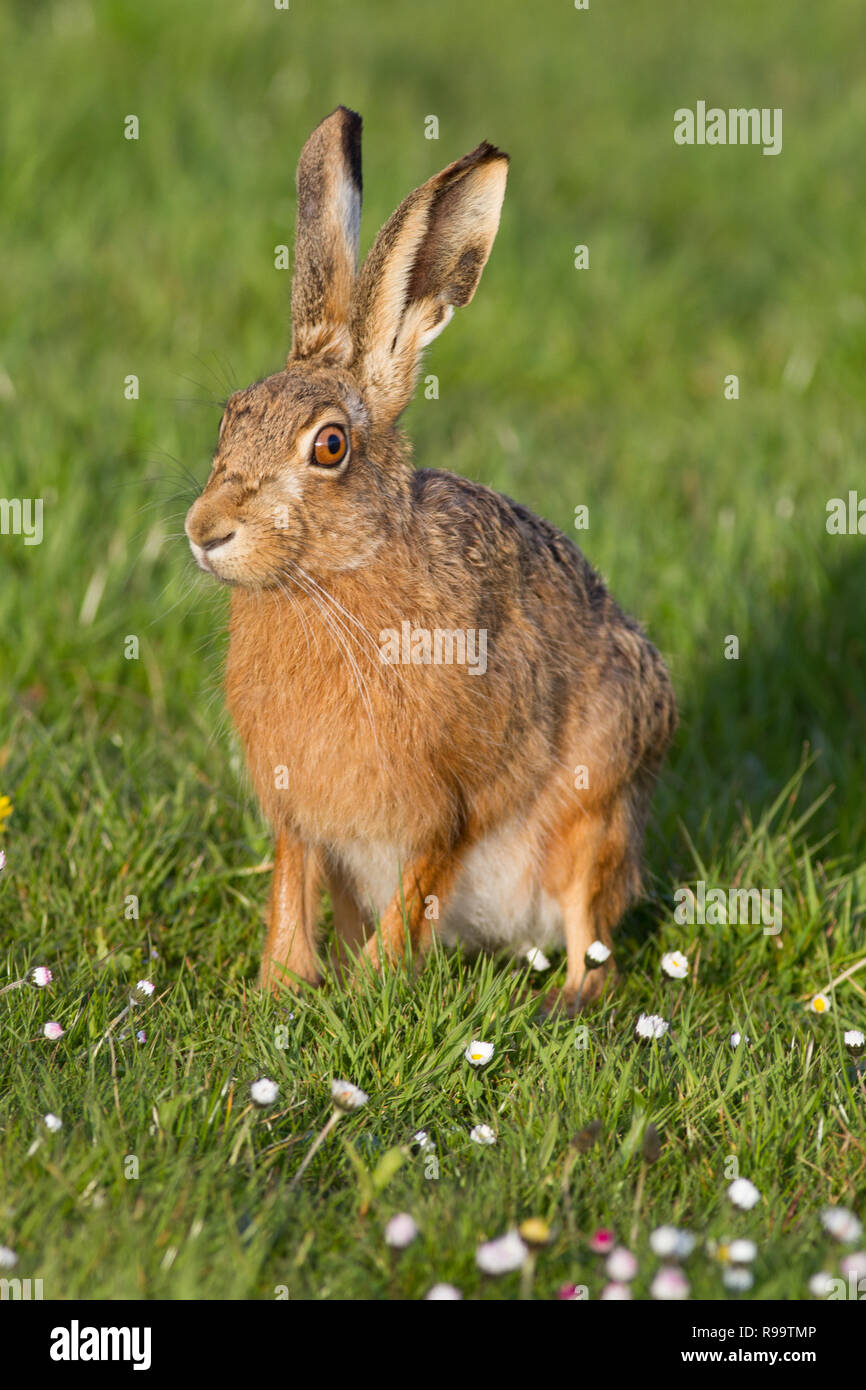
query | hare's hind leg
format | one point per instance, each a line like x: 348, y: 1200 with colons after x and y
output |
x: 426, y: 884
x: 593, y: 874
x: 351, y: 928
x: 290, y: 945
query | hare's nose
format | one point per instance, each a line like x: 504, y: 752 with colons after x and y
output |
x: 216, y: 541
x: 205, y: 527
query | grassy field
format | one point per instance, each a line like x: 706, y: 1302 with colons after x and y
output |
x: 604, y: 387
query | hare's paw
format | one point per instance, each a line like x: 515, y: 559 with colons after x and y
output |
x: 573, y: 998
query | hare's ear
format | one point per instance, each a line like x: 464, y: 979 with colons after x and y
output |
x: 326, y: 242
x: 426, y: 261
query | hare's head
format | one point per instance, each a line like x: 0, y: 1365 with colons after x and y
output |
x: 310, y: 469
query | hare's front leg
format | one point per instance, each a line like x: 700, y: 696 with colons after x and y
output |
x: 290, y: 946
x: 426, y: 883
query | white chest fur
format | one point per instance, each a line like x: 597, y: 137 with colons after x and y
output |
x: 498, y: 900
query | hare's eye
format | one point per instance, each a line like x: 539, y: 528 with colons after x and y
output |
x: 330, y: 446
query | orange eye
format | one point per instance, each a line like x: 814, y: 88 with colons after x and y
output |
x: 330, y: 446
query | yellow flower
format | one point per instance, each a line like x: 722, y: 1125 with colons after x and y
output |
x: 5, y: 809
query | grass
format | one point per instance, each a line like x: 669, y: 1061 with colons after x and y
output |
x: 560, y: 387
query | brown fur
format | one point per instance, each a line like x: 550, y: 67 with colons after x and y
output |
x: 344, y: 750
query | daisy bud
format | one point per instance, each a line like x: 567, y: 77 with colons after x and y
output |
x: 615, y: 1293
x: 651, y: 1145
x: 602, y: 1242
x: 400, y: 1231
x: 264, y: 1092
x: 347, y: 1097
x: 52, y: 1123
x: 8, y: 1258
x: 737, y: 1038
x: 855, y: 1041
x: 535, y: 1232
x: 441, y: 1293
x: 53, y: 1031
x: 738, y: 1280
x: 142, y: 992
x: 479, y: 1053
x: 585, y: 1138
x: 596, y: 954
x: 41, y: 976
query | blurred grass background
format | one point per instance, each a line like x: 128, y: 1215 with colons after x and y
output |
x: 558, y: 386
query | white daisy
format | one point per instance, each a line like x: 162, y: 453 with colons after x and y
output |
x: 743, y: 1194
x: 8, y: 1258
x: 671, y: 1243
x: 52, y: 1123
x: 670, y: 1284
x: 675, y: 964
x: 651, y: 1026
x: 742, y: 1252
x: 400, y: 1231
x: 737, y: 1038
x: 537, y: 959
x: 821, y: 1284
x: 502, y: 1255
x: 479, y: 1053
x: 596, y: 954
x: 615, y: 1293
x: 737, y: 1279
x: 482, y: 1134
x: 441, y: 1293
x: 819, y: 1004
x: 842, y: 1224
x: 854, y: 1264
x: 621, y: 1265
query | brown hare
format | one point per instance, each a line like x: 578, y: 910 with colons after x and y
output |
x: 417, y: 665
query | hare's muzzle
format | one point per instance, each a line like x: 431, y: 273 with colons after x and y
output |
x: 210, y: 535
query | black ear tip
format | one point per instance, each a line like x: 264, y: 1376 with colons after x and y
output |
x: 352, y: 123
x: 486, y: 152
